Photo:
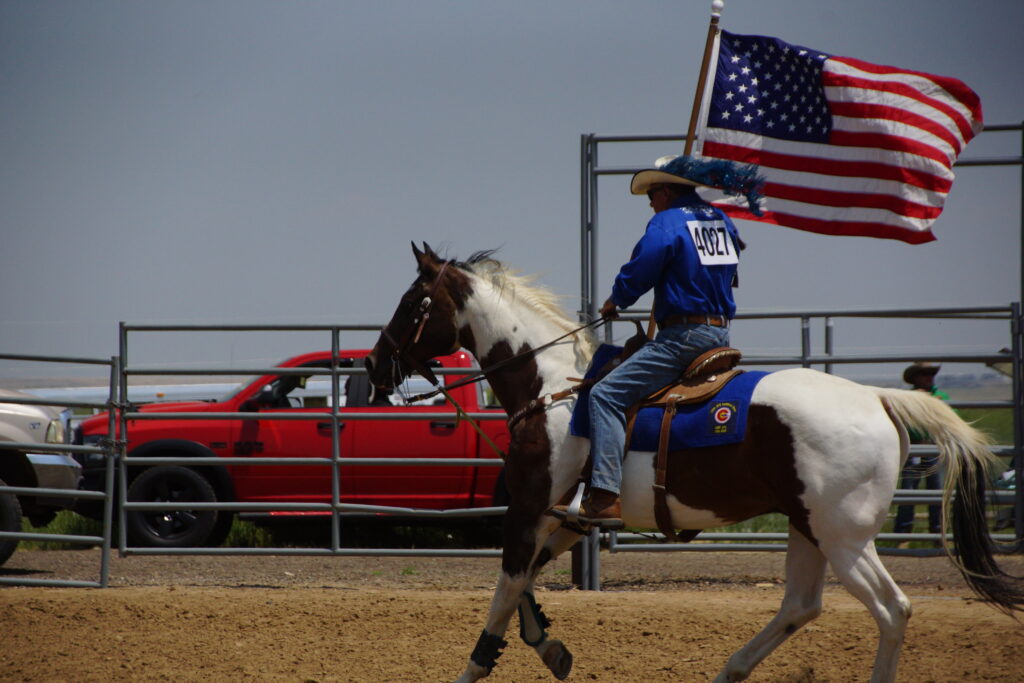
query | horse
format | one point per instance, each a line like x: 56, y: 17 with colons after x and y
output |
x: 822, y: 450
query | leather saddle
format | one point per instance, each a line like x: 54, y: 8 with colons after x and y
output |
x: 701, y: 380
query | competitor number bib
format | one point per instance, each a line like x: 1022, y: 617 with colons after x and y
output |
x: 713, y: 243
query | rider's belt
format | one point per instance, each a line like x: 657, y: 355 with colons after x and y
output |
x: 681, y: 319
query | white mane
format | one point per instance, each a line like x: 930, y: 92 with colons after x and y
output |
x: 539, y: 299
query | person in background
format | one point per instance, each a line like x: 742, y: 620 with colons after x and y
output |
x: 921, y: 377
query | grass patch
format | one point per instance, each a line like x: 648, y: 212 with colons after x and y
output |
x: 65, y: 523
x: 996, y: 422
x: 773, y: 523
x: 248, y: 535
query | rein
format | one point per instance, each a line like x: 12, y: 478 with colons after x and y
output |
x: 514, y: 419
x: 482, y: 373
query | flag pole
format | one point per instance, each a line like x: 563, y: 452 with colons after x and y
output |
x: 705, y: 67
x: 698, y: 101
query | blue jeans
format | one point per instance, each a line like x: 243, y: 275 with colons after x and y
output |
x: 911, y: 478
x: 656, y: 364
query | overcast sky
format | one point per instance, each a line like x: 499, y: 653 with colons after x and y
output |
x: 270, y: 162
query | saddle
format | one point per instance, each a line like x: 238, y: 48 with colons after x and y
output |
x: 700, y: 381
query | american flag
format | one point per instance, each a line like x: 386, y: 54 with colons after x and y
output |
x: 846, y: 147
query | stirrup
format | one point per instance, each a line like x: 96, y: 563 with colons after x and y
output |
x: 571, y: 518
x: 571, y: 515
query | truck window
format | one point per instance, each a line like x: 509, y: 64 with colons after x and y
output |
x: 304, y: 391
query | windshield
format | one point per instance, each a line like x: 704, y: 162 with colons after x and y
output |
x: 234, y: 392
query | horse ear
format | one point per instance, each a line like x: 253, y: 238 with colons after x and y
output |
x: 427, y: 261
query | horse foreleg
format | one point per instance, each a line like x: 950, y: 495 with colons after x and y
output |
x: 532, y: 621
x: 491, y: 641
x: 526, y: 551
x: 805, y: 580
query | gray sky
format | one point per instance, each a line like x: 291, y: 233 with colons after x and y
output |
x: 269, y: 162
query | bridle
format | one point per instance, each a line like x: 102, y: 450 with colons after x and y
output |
x: 400, y: 352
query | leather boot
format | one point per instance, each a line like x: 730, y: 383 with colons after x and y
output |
x: 603, y: 505
x: 601, y: 508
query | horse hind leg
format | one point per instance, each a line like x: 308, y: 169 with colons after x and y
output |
x: 805, y: 580
x: 863, y: 574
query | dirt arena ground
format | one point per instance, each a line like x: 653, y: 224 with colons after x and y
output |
x: 661, y: 617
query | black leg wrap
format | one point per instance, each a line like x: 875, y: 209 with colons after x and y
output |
x: 542, y: 622
x: 487, y: 650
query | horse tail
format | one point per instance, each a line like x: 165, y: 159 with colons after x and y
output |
x: 965, y: 454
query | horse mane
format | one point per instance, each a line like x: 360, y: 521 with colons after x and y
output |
x: 523, y: 289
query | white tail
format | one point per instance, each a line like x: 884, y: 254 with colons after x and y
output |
x: 964, y: 453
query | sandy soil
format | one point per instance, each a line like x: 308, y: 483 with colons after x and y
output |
x: 661, y: 617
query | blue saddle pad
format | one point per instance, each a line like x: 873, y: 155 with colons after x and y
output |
x: 720, y: 421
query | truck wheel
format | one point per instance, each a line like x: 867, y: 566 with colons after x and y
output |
x: 170, y: 528
x: 10, y: 520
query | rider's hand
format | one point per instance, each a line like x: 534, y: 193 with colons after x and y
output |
x: 609, y: 311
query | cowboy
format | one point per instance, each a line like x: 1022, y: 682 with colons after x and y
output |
x: 688, y: 255
x: 921, y: 377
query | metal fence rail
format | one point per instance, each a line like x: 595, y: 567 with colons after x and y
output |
x: 588, y: 559
x: 108, y: 450
x: 335, y: 508
x: 769, y: 541
x: 591, y: 170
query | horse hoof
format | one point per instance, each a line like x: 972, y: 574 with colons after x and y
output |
x: 558, y: 659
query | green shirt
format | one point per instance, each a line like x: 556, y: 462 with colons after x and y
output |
x: 922, y: 437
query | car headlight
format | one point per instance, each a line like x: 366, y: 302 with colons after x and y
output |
x: 55, y: 431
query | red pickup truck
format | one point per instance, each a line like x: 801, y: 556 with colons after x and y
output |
x: 409, y: 486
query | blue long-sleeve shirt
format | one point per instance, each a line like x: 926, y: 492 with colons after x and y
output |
x: 668, y: 258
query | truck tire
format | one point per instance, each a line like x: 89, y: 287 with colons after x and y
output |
x: 10, y: 520
x: 170, y: 528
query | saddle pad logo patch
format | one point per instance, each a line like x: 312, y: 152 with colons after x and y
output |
x: 723, y: 417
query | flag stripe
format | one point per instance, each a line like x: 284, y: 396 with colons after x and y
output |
x: 891, y: 143
x: 846, y: 185
x: 956, y: 88
x: 887, y: 114
x: 935, y: 107
x: 857, y: 200
x: 823, y: 212
x: 846, y: 147
x: 918, y: 140
x: 832, y: 225
x: 808, y: 161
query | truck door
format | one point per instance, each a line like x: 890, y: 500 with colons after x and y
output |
x: 423, y: 486
x: 289, y: 395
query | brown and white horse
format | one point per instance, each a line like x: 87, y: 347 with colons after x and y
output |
x: 824, y: 451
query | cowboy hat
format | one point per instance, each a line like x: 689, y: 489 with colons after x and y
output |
x: 920, y: 368
x: 731, y: 178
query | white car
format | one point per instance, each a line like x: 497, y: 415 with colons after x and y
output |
x: 24, y: 432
